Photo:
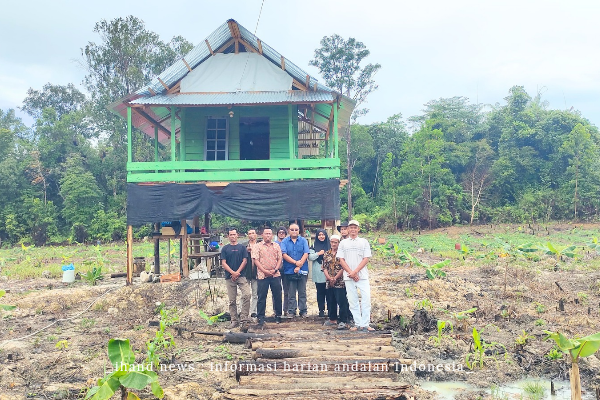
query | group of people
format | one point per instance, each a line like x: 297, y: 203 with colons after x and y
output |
x: 280, y: 264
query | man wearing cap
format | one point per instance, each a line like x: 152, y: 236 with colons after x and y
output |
x: 354, y: 253
x: 343, y: 230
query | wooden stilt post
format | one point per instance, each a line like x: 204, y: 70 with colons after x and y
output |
x: 184, y: 249
x: 129, y: 255
x: 156, y: 250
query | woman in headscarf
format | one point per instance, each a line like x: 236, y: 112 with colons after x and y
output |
x: 320, y: 247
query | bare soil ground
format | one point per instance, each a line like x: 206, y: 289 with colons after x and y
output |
x: 53, y: 345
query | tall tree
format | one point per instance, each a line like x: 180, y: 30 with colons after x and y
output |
x: 339, y: 61
x: 63, y: 99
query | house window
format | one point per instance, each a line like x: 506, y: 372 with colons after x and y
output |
x: 216, y: 144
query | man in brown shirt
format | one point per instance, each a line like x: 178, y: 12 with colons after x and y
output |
x: 267, y: 258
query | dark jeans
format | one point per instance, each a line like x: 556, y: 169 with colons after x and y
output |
x: 337, y: 297
x: 285, y: 283
x: 297, y: 286
x: 263, y: 289
x: 321, y: 295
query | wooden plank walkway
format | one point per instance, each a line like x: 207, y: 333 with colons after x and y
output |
x: 302, y: 359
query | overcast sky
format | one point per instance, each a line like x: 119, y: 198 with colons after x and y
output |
x: 427, y: 49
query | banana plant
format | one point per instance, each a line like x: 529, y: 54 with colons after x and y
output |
x: 435, y: 270
x: 594, y: 245
x: 576, y: 348
x: 125, y: 376
x: 558, y: 251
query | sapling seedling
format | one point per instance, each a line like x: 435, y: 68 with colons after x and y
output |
x: 576, y: 348
x: 125, y: 376
x: 480, y: 346
x: 441, y: 326
x: 211, y: 320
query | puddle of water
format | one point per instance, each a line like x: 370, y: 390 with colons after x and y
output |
x: 509, y: 391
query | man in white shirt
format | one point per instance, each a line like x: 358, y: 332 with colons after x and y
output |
x: 354, y: 253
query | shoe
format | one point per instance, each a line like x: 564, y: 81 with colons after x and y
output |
x: 330, y: 323
x: 291, y: 315
x: 234, y: 324
x: 277, y: 319
x: 261, y: 323
x: 305, y: 315
x: 342, y: 325
x: 253, y: 315
x: 321, y: 313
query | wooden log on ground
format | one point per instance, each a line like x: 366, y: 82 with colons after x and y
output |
x: 281, y: 353
x: 240, y: 337
x: 118, y: 275
x: 343, y: 359
x: 293, y: 379
x: 324, y: 346
x: 255, y: 343
x: 284, y: 388
x: 364, y: 394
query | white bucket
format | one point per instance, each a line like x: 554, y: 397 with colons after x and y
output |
x: 69, y: 276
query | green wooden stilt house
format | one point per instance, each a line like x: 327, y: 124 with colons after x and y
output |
x: 251, y: 136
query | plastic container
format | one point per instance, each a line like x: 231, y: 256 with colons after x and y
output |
x: 68, y: 273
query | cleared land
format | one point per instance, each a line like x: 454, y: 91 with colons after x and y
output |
x: 58, y: 333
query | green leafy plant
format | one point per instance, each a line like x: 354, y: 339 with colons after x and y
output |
x: 126, y: 375
x: 408, y: 292
x: 582, y: 297
x: 540, y: 308
x: 554, y: 354
x: 211, y: 320
x: 462, y: 317
x: 163, y: 341
x: 225, y: 351
x: 540, y: 322
x: 435, y: 270
x: 576, y: 348
x: 441, y: 326
x: 558, y: 251
x: 5, y: 307
x: 480, y: 346
x: 423, y: 304
x: 523, y: 338
x: 62, y: 345
x: 94, y: 275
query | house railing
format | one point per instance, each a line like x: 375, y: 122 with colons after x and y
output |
x: 233, y: 170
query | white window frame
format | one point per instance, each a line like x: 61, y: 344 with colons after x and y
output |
x: 206, y: 140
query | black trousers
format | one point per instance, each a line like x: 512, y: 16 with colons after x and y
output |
x: 337, y: 298
x: 321, y: 295
x: 263, y: 289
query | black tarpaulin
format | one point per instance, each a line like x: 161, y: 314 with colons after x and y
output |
x: 308, y: 199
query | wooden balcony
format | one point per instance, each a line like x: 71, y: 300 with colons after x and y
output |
x: 233, y: 170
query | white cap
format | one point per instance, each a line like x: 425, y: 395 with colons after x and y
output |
x: 353, y: 222
x: 336, y: 237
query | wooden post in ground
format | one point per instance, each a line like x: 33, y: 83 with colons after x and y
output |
x: 184, y: 249
x: 156, y: 250
x: 129, y: 280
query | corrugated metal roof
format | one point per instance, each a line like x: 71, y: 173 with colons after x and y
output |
x: 217, y: 39
x: 204, y: 99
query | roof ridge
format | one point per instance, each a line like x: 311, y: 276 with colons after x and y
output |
x: 217, y: 39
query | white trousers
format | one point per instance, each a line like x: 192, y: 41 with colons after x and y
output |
x: 361, y: 312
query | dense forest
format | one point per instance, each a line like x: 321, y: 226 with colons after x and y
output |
x: 63, y: 178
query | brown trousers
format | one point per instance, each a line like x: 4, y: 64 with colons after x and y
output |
x: 232, y: 288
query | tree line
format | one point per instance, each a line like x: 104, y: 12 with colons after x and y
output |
x: 64, y: 178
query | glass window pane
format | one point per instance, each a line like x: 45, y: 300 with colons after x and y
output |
x: 211, y: 134
x: 210, y: 155
x: 212, y: 123
x: 220, y: 145
x: 220, y: 155
x: 210, y: 145
x: 221, y: 135
x: 221, y: 123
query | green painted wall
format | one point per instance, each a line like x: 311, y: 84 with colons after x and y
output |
x: 195, y: 126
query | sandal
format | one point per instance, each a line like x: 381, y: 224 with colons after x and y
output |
x: 368, y: 329
x: 355, y: 329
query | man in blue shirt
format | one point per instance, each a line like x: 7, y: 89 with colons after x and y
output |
x: 295, y: 267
